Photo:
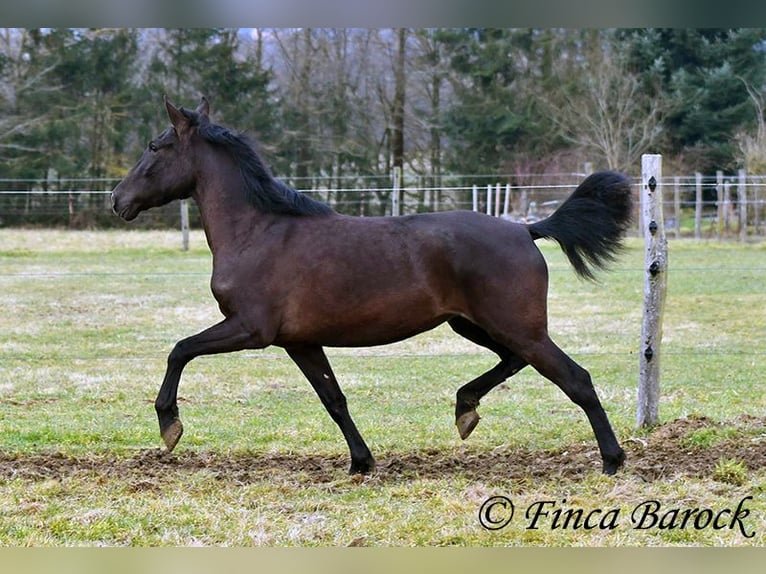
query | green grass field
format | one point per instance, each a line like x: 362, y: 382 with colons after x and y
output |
x: 87, y: 320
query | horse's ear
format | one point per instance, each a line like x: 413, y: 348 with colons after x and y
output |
x: 176, y: 116
x: 203, y: 108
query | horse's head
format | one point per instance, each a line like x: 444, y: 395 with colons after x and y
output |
x: 165, y: 170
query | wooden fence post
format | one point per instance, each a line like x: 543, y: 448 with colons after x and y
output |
x: 742, y: 201
x: 396, y: 195
x: 475, y: 197
x: 698, y: 207
x: 185, y: 224
x: 756, y: 209
x: 677, y: 206
x: 719, y: 201
x: 654, y: 290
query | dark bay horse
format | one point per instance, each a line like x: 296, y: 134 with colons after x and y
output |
x: 289, y: 271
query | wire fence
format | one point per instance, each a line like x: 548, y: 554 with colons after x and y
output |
x: 694, y: 205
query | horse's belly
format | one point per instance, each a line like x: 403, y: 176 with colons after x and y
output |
x: 376, y: 322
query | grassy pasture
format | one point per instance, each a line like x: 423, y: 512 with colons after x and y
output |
x: 87, y: 320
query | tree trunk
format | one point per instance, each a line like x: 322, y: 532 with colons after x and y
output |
x: 303, y: 152
x: 398, y: 103
x: 436, y: 146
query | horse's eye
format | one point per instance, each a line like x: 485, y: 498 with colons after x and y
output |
x: 153, y: 146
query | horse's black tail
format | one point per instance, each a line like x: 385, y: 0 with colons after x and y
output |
x: 591, y: 222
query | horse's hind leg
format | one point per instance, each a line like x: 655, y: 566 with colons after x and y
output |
x: 313, y: 362
x: 470, y: 394
x: 554, y: 364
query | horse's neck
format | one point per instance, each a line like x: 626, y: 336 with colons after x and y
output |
x: 227, y: 218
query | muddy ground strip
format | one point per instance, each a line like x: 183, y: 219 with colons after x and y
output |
x: 667, y: 451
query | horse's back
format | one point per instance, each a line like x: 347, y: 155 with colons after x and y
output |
x: 481, y: 244
x: 453, y: 245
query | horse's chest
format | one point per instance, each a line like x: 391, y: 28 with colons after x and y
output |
x: 234, y: 292
x: 223, y: 289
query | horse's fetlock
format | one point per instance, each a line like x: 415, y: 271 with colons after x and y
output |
x: 466, y: 400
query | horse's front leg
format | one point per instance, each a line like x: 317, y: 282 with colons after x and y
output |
x: 313, y: 362
x: 227, y: 336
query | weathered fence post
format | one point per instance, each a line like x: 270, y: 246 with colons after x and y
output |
x: 489, y: 199
x: 756, y: 209
x: 677, y: 207
x: 475, y: 197
x: 719, y: 201
x: 756, y: 201
x: 507, y: 202
x: 742, y: 202
x: 396, y: 194
x: 698, y: 207
x: 654, y: 290
x: 185, y: 224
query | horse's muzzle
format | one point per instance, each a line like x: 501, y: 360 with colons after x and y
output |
x: 123, y: 211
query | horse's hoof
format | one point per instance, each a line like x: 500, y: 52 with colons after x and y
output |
x: 466, y: 423
x: 363, y: 467
x: 172, y: 434
x: 611, y: 467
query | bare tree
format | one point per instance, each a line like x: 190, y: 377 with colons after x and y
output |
x: 604, y: 110
x: 17, y: 79
x: 752, y: 146
x: 428, y: 89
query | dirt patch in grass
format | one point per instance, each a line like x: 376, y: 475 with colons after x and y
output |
x: 664, y: 453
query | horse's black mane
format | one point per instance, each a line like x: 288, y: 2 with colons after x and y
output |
x: 264, y: 192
